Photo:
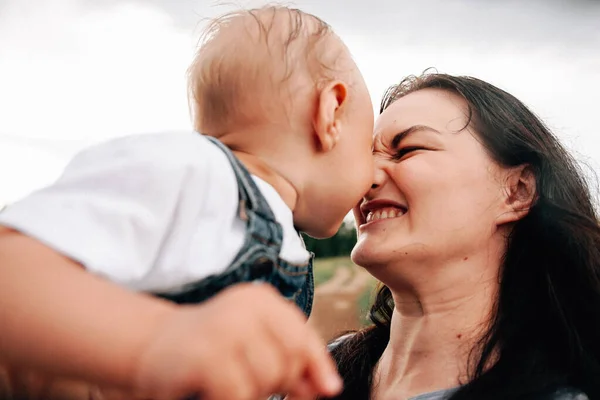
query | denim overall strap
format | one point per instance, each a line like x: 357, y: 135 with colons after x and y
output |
x: 265, y: 228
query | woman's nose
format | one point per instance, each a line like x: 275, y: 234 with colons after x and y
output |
x: 379, y: 175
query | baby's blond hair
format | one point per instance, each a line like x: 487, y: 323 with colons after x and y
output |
x: 243, y: 61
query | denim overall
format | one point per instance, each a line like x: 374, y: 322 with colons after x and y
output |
x: 258, y: 259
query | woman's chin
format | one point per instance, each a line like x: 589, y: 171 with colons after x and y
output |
x: 371, y: 254
x: 367, y: 256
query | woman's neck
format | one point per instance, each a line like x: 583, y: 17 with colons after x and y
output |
x: 433, y: 332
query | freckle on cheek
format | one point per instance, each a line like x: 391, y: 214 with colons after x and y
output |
x: 465, y: 259
x: 459, y: 336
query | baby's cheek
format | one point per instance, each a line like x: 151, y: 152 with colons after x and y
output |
x: 365, y: 164
x: 359, y: 178
x: 356, y: 214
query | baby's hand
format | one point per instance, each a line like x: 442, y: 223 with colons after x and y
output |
x: 246, y: 343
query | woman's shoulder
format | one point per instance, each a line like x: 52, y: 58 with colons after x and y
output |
x: 339, y: 340
x: 564, y: 393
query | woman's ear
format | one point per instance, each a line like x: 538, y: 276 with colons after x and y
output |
x: 520, y: 193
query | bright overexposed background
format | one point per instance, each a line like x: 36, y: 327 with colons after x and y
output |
x: 75, y: 72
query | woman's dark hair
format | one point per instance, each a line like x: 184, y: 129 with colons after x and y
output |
x: 545, y: 329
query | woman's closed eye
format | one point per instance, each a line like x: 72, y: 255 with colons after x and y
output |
x: 404, y: 151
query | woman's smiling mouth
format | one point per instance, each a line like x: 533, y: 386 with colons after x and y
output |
x: 384, y: 213
x: 376, y: 210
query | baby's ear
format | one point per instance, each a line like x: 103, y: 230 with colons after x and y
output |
x: 520, y: 194
x: 327, y: 121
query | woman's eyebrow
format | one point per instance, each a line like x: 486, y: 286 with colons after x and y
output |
x: 415, y: 128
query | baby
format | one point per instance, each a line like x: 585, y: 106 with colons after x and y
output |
x: 284, y: 145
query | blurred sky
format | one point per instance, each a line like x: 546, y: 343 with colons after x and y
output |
x: 75, y: 72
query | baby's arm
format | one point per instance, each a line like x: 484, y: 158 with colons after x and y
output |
x: 245, y: 343
x: 57, y: 318
x: 108, y: 214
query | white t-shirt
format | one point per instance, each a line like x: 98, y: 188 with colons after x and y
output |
x: 151, y: 212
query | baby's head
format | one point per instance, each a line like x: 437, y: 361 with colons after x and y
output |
x: 277, y: 83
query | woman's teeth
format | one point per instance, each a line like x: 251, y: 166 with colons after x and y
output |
x: 383, y: 213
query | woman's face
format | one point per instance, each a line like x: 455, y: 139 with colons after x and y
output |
x: 436, y: 194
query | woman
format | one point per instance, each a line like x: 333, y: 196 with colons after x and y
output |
x: 482, y: 229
